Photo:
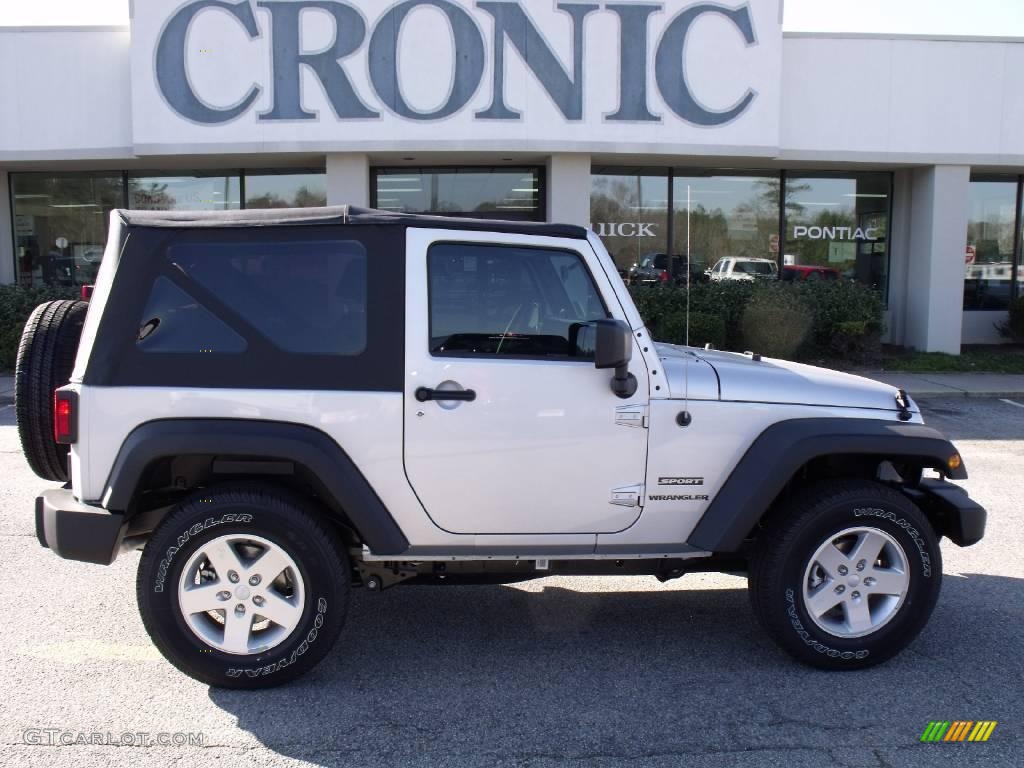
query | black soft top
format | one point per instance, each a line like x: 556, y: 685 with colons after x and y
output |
x: 337, y: 214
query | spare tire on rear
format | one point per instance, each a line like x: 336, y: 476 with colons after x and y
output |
x: 46, y: 356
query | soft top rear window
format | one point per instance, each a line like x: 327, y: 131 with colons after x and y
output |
x: 306, y: 297
x: 316, y: 307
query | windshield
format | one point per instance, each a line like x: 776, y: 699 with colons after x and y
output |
x: 755, y: 267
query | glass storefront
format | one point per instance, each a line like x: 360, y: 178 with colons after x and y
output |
x: 837, y: 227
x: 60, y: 220
x: 991, y: 235
x: 493, y: 192
x: 629, y: 212
x: 725, y: 216
x: 184, y: 193
x: 285, y: 190
x: 60, y: 225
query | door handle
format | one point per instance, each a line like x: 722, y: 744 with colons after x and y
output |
x: 423, y: 394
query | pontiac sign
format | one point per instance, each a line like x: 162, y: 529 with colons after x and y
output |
x: 364, y: 73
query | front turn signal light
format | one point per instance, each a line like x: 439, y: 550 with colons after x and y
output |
x: 954, y: 462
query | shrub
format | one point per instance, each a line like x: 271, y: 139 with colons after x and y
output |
x: 859, y: 341
x: 1014, y: 325
x: 807, y: 320
x: 842, y: 302
x: 16, y: 304
x: 705, y: 328
x: 776, y: 323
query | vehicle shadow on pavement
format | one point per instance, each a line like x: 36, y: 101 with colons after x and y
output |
x: 495, y: 675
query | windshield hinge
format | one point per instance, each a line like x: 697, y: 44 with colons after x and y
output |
x: 631, y: 416
x: 627, y: 496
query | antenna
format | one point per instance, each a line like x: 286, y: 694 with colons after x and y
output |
x: 686, y: 367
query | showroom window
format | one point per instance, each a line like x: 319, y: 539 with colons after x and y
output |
x: 61, y: 220
x: 267, y: 189
x: 184, y: 193
x: 720, y: 216
x: 991, y: 242
x: 494, y: 192
x: 629, y: 212
x: 837, y: 226
x: 60, y: 225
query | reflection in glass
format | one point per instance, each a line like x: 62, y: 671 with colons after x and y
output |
x: 285, y: 190
x: 502, y: 192
x: 729, y: 216
x: 629, y: 212
x: 184, y: 193
x: 838, y: 227
x: 60, y: 225
x: 988, y: 266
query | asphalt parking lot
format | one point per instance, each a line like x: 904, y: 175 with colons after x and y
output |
x: 602, y: 671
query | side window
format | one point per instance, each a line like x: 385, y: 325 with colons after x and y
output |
x: 494, y: 300
x: 173, y: 321
x: 304, y: 297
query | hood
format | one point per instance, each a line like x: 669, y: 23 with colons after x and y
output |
x: 767, y: 380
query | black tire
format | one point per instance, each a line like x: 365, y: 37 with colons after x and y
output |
x: 46, y: 356
x: 271, y: 514
x: 789, y: 541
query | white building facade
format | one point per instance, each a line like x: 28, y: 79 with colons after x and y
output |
x: 677, y: 127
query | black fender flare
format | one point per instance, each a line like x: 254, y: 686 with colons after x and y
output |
x: 781, y: 449
x: 305, y: 446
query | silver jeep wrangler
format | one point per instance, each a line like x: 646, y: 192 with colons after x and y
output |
x: 277, y: 406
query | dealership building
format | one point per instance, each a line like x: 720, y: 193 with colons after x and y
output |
x: 668, y: 126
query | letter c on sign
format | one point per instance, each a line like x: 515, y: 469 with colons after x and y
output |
x: 172, y: 72
x: 670, y: 74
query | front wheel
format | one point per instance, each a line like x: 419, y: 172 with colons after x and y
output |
x: 846, y: 575
x: 243, y: 587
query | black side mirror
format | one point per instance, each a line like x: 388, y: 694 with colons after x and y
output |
x: 613, y: 348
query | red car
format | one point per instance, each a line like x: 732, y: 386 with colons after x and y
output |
x: 799, y: 272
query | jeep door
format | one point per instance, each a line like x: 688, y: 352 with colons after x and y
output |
x: 537, y: 441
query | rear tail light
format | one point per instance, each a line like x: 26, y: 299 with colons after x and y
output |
x: 663, y: 277
x: 87, y: 292
x: 65, y: 416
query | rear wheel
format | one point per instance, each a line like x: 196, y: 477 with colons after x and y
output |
x: 46, y: 356
x: 846, y: 575
x: 243, y: 587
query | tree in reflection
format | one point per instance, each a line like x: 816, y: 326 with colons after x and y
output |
x: 153, y: 196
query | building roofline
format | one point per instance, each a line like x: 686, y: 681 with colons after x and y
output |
x: 66, y: 28
x: 901, y: 36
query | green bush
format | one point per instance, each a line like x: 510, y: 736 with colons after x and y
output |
x: 705, y: 328
x: 659, y: 305
x: 776, y: 322
x: 805, y: 320
x: 16, y: 304
x: 842, y: 303
x: 1014, y: 326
